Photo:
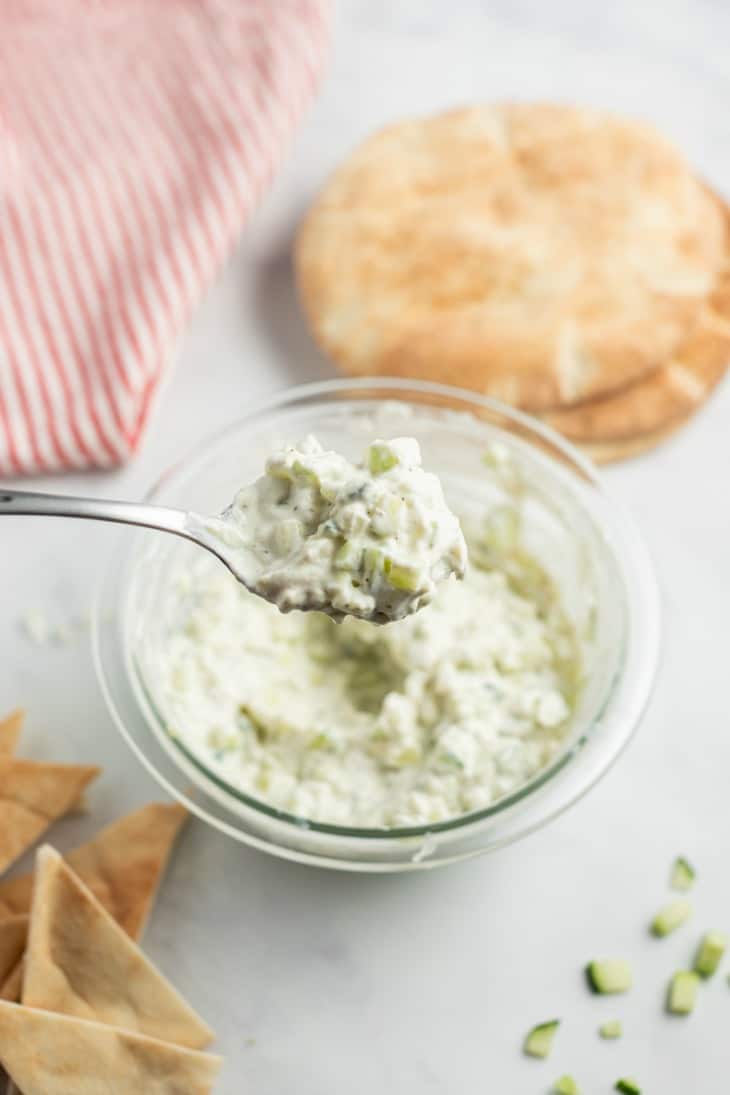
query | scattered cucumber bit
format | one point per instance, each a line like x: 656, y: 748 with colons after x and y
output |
x: 539, y: 1040
x: 671, y: 917
x: 629, y: 1087
x: 609, y: 976
x: 611, y: 1029
x: 566, y: 1085
x: 683, y: 875
x: 712, y: 947
x: 682, y: 995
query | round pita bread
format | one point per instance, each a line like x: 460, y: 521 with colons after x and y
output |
x: 611, y: 452
x: 538, y: 253
x: 665, y: 395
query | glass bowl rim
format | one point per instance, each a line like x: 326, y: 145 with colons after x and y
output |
x: 463, y: 822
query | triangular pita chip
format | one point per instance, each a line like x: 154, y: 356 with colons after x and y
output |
x: 13, y: 936
x: 10, y: 728
x: 47, y: 1054
x: 10, y: 732
x: 80, y: 962
x: 32, y: 796
x: 122, y: 866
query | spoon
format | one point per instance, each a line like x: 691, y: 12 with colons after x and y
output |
x: 215, y: 534
x: 315, y: 532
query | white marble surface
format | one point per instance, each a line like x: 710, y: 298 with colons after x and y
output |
x: 327, y: 984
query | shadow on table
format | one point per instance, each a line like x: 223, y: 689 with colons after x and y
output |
x: 243, y: 872
x: 281, y: 318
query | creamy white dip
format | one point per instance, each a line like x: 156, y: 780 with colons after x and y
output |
x: 371, y: 540
x: 412, y: 723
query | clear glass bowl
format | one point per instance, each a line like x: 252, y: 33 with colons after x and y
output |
x: 584, y: 540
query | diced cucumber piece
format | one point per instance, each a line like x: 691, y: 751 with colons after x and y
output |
x: 279, y: 471
x: 609, y: 976
x: 539, y: 1040
x: 682, y: 995
x: 347, y: 556
x: 401, y: 577
x: 308, y: 475
x: 711, y: 949
x: 671, y: 917
x: 566, y: 1085
x: 611, y: 1029
x: 683, y: 875
x: 407, y: 757
x: 502, y: 529
x: 381, y: 457
x: 372, y: 560
x: 628, y: 1087
x: 287, y: 535
x: 395, y: 507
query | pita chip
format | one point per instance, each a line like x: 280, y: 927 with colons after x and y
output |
x: 13, y: 937
x: 80, y: 962
x: 48, y: 1054
x: 122, y: 866
x: 32, y: 797
x: 10, y: 728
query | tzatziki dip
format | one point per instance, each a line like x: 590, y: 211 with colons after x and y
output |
x: 371, y: 540
x: 412, y: 723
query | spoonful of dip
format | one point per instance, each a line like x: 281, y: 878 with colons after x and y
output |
x: 315, y: 532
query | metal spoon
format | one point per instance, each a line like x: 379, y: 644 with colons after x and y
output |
x: 215, y: 534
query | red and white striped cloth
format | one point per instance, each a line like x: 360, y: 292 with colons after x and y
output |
x: 135, y: 139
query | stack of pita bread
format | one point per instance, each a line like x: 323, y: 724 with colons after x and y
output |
x: 82, y: 1011
x: 560, y: 259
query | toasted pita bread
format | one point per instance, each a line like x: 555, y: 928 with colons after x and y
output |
x: 32, y: 796
x: 122, y: 866
x: 541, y: 253
x: 13, y: 937
x: 669, y: 394
x: 80, y: 962
x: 611, y: 452
x: 10, y: 728
x: 47, y: 1054
x: 11, y: 987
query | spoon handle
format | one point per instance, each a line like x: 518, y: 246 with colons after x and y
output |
x: 32, y: 503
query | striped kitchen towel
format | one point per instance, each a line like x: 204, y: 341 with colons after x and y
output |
x: 135, y: 139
